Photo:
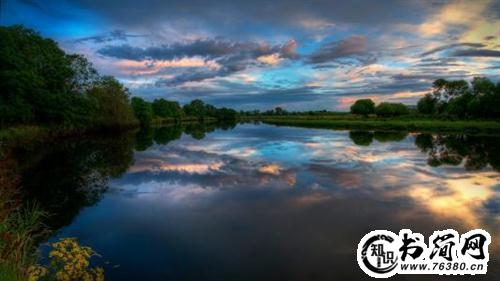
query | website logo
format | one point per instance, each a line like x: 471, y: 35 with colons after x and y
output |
x: 382, y: 253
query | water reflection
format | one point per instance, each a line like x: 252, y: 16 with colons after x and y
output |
x: 475, y: 152
x: 72, y: 174
x: 268, y: 203
x: 367, y: 137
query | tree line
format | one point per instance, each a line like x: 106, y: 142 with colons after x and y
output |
x: 161, y: 109
x: 478, y: 99
x: 449, y: 98
x: 40, y: 84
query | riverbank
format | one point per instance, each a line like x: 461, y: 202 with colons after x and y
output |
x: 22, y: 135
x: 407, y: 124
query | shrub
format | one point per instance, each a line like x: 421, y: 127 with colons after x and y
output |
x: 386, y: 109
x: 363, y: 107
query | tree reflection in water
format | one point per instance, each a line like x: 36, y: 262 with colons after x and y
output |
x: 474, y: 152
x: 74, y: 173
x: 365, y: 138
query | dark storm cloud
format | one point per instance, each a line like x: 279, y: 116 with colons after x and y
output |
x: 476, y: 53
x: 451, y: 46
x: 116, y: 35
x: 208, y: 48
x: 437, y: 62
x: 231, y: 56
x: 350, y: 47
x: 280, y: 13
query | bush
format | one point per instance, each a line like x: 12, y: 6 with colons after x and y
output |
x: 363, y: 107
x: 386, y: 109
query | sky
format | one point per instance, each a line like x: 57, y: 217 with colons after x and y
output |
x: 260, y: 54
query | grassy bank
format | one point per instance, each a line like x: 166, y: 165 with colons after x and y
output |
x: 396, y: 124
x: 21, y: 135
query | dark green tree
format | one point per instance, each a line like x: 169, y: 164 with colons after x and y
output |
x: 427, y: 104
x: 143, y: 110
x: 164, y: 108
x: 195, y: 108
x: 110, y: 99
x: 33, y: 77
x: 386, y: 109
x: 363, y: 107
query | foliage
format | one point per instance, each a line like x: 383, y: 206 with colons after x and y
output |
x: 196, y: 108
x: 478, y: 99
x: 226, y: 114
x: 164, y: 108
x: 69, y: 261
x: 142, y: 110
x: 363, y: 107
x: 110, y: 101
x: 427, y: 104
x: 387, y: 109
x: 41, y: 84
x: 19, y: 230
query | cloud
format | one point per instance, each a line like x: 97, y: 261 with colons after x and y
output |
x: 450, y: 46
x: 476, y: 53
x: 116, y: 35
x: 236, y: 14
x: 454, y: 16
x: 231, y: 56
x: 209, y: 48
x: 350, y: 47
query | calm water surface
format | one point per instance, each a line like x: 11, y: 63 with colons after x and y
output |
x: 259, y: 202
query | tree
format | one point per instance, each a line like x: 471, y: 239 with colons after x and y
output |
x: 445, y: 90
x: 363, y: 107
x: 195, y: 108
x: 85, y: 76
x: 33, y: 77
x: 164, y: 108
x: 41, y: 84
x: 111, y: 101
x: 386, y: 109
x: 279, y: 111
x: 427, y: 104
x: 459, y: 105
x: 142, y: 110
x: 226, y: 114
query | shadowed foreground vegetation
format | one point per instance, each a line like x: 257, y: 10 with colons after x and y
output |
x: 62, y: 179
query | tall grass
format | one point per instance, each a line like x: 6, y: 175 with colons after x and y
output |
x: 19, y: 233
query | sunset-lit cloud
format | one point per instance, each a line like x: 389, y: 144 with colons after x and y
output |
x: 294, y: 54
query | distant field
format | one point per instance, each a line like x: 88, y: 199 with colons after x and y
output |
x: 407, y: 123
